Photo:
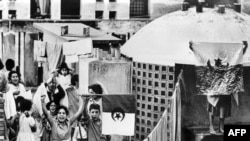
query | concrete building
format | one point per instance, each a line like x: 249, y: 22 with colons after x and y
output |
x: 163, y: 43
x: 88, y: 9
x: 112, y: 9
x: 15, y: 9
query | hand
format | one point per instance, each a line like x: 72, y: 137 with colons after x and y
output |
x: 43, y: 99
x: 55, y: 73
x: 70, y: 88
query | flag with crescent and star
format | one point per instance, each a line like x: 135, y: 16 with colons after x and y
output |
x: 118, y: 115
x: 218, y: 68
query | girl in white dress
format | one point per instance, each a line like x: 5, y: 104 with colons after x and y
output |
x: 64, y: 76
x: 26, y: 122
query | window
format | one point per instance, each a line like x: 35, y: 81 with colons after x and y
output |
x: 99, y: 0
x: 1, y: 14
x: 139, y: 8
x: 112, y: 0
x: 12, y: 14
x: 99, y: 14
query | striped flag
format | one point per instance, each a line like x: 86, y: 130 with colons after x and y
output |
x: 118, y: 115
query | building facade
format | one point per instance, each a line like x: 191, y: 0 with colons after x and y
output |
x: 15, y: 9
x: 86, y: 9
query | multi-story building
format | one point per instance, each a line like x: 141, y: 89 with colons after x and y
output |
x: 86, y: 9
x: 15, y: 9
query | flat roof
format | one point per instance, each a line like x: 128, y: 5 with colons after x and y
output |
x: 75, y: 31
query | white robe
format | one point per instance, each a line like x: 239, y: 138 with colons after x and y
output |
x: 9, y: 104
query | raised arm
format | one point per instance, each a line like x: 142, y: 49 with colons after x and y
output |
x: 82, y: 100
x: 45, y: 111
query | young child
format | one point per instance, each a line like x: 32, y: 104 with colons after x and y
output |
x: 64, y: 76
x: 80, y: 133
x: 94, y: 124
x: 95, y: 90
x: 26, y: 122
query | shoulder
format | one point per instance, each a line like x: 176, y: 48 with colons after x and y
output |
x: 21, y: 86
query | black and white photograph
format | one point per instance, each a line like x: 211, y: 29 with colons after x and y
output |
x: 124, y: 70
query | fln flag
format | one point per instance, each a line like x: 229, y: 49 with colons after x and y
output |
x: 218, y: 68
x: 118, y: 116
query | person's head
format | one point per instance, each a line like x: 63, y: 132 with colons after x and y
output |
x: 14, y: 77
x: 95, y: 89
x: 19, y: 100
x: 64, y: 70
x: 94, y: 111
x: 9, y: 64
x: 75, y: 80
x: 3, y: 82
x: 38, y: 11
x: 62, y: 113
x: 25, y: 105
x: 52, y: 84
x: 51, y: 106
x: 218, y: 62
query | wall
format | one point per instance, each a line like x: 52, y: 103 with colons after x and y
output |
x: 22, y: 8
x: 55, y: 9
x: 114, y: 75
x: 88, y: 8
x: 30, y: 65
x: 246, y: 6
x: 4, y: 8
x: 159, y: 8
x: 122, y: 27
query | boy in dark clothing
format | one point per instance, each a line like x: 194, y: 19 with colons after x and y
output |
x: 94, y: 124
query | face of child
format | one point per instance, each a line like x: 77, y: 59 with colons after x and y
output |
x: 52, y: 85
x: 61, y: 115
x: 93, y: 93
x: 52, y: 107
x: 14, y: 78
x: 64, y: 71
x: 94, y: 114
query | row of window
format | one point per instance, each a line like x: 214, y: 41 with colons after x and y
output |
x: 150, y: 107
x: 153, y: 75
x: 99, y: 14
x: 102, y: 0
x: 155, y: 84
x: 150, y: 91
x: 12, y: 14
x: 153, y: 67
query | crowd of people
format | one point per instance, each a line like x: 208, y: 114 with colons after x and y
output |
x: 55, y: 111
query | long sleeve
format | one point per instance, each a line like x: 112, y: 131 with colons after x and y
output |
x: 62, y: 97
x: 60, y: 94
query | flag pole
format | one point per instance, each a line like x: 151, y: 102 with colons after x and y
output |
x: 88, y: 95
